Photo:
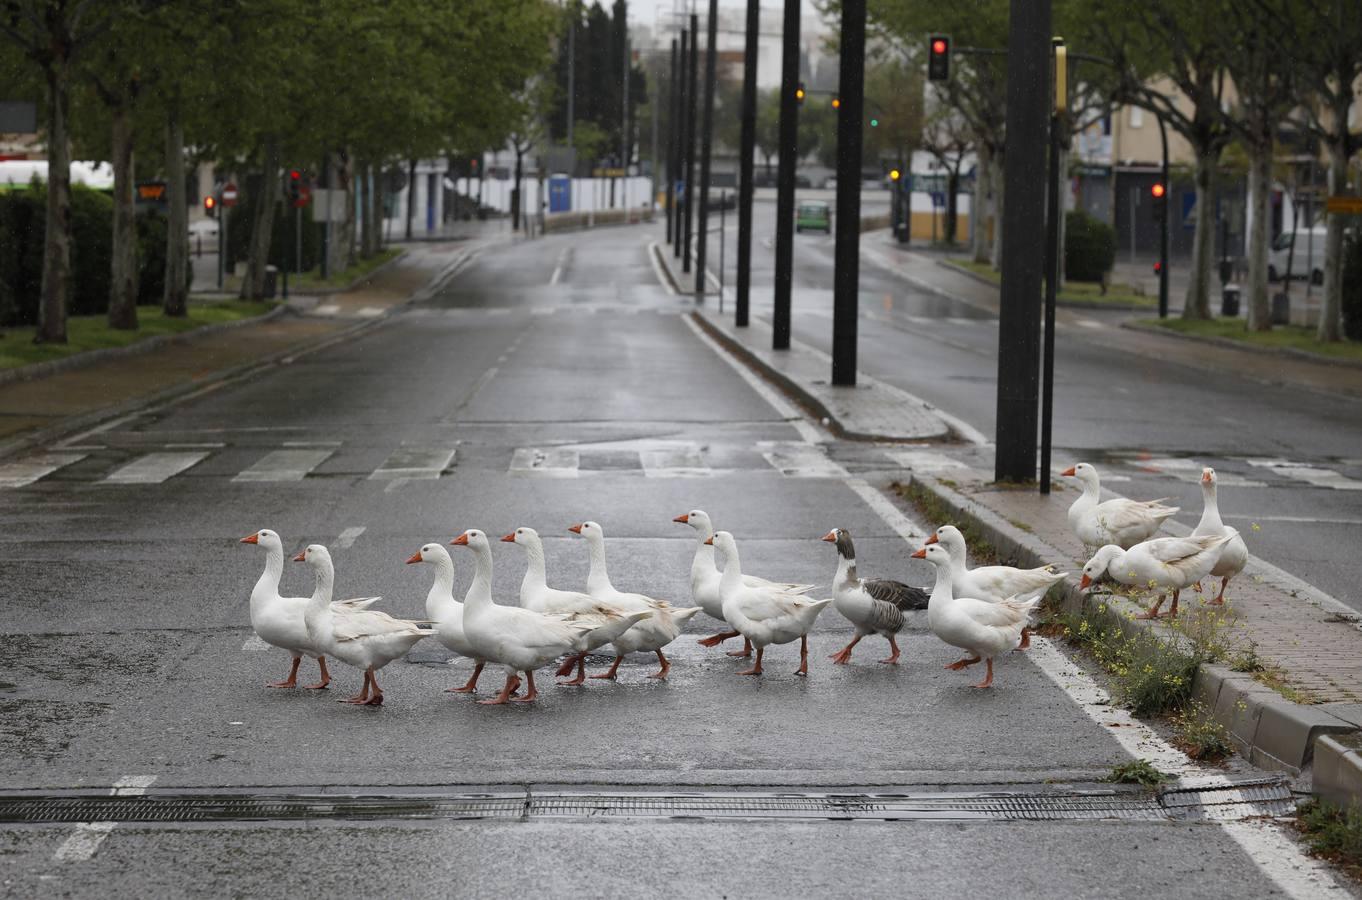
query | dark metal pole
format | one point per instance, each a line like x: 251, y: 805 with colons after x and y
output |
x: 847, y: 255
x: 712, y: 29
x: 1028, y: 58
x: 723, y: 226
x: 682, y: 144
x: 1054, y: 210
x: 785, y: 178
x: 1163, y: 225
x: 670, y: 171
x: 691, y: 98
x: 749, y: 141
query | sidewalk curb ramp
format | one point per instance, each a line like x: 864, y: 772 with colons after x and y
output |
x: 73, y: 424
x: 1265, y: 728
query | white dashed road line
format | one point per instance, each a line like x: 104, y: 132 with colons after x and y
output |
x: 346, y: 539
x: 85, y: 841
x: 154, y: 468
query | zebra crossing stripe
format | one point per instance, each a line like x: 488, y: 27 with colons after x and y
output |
x: 1312, y: 475
x: 412, y: 462
x: 679, y: 461
x: 796, y: 459
x: 154, y: 468
x: 27, y: 471
x: 284, y: 465
x: 550, y: 462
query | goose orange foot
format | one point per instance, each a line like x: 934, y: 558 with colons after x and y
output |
x: 962, y: 663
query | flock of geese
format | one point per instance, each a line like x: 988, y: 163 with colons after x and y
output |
x: 983, y: 611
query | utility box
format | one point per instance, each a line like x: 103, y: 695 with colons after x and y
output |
x: 1281, y: 309
x: 560, y: 194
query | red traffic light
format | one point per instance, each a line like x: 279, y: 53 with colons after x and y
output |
x: 1158, y: 267
x: 209, y: 203
x: 939, y: 46
x: 938, y: 57
x: 1157, y: 190
x: 295, y: 175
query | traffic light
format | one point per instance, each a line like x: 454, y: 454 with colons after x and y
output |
x: 1158, y: 266
x: 473, y: 167
x: 210, y: 206
x: 895, y: 174
x: 836, y: 102
x: 874, y: 122
x: 1157, y: 190
x: 938, y: 58
x: 295, y: 186
x: 799, y: 93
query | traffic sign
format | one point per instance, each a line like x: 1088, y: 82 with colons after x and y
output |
x: 151, y: 192
x: 1348, y: 206
x: 229, y: 194
x: 938, y: 199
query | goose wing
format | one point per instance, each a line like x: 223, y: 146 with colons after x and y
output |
x: 902, y: 597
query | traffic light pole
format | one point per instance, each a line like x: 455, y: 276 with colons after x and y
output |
x: 785, y: 179
x: 846, y: 271
x: 691, y: 98
x: 712, y: 30
x: 1163, y: 225
x: 682, y: 141
x: 670, y: 171
x: 1054, y: 211
x: 1028, y: 57
x: 745, y: 164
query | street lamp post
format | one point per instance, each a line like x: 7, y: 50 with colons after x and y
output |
x: 846, y: 271
x: 1163, y: 225
x: 683, y: 142
x: 1055, y: 210
x: 745, y: 164
x: 785, y: 186
x: 690, y: 137
x: 670, y: 173
x: 712, y: 36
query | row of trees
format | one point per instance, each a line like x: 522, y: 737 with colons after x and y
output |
x: 1219, y: 73
x: 257, y: 86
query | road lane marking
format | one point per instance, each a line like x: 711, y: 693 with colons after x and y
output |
x: 681, y: 460
x: 415, y: 463
x: 550, y: 462
x: 894, y: 517
x: 346, y: 538
x: 83, y: 844
x: 292, y: 464
x: 1304, y: 520
x: 27, y: 471
x: 207, y: 445
x: 796, y: 459
x: 1307, y: 473
x: 657, y: 268
x: 1185, y: 468
x: 154, y: 468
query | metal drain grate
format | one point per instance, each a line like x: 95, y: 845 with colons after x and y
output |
x: 1214, y: 801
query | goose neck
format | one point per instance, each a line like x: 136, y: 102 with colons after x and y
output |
x: 941, y: 591
x: 442, y: 591
x: 268, y: 583
x: 732, y: 576
x: 846, y: 571
x: 536, y: 574
x: 597, y: 580
x: 326, y: 578
x: 1210, y: 513
x: 480, y: 589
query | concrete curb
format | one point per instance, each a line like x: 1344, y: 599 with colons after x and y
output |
x: 1063, y: 304
x: 75, y: 424
x: 1292, y: 352
x: 367, y: 276
x: 89, y: 358
x: 1268, y: 730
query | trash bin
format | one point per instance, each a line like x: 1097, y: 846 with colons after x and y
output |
x: 271, y: 277
x: 1229, y: 300
x: 1281, y: 309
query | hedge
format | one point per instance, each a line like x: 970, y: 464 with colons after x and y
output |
x: 1089, y: 247
x: 23, y: 217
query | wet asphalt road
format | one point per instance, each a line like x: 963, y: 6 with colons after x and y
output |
x: 129, y: 659
x: 1148, y: 424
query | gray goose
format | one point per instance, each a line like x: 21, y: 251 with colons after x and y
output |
x: 873, y: 605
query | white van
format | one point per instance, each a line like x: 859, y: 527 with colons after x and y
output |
x: 1305, y: 256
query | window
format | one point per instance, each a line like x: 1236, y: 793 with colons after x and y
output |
x: 1136, y: 117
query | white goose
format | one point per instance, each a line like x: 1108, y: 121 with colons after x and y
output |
x: 873, y: 605
x: 704, y: 580
x: 535, y: 594
x: 278, y: 621
x: 364, y: 638
x: 1169, y: 564
x: 976, y: 626
x: 993, y: 583
x: 1234, y: 555
x: 764, y: 615
x: 1122, y: 522
x: 519, y: 639
x: 655, y: 631
x: 446, y: 611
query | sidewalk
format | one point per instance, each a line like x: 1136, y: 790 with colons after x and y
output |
x: 925, y: 272
x: 1309, y: 641
x: 40, y: 410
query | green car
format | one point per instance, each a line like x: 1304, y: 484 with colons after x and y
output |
x: 814, y: 215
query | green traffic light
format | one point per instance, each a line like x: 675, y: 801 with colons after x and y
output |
x: 874, y: 123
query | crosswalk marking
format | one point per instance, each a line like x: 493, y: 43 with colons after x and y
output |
x: 415, y: 462
x: 284, y: 465
x: 154, y: 468
x: 796, y: 459
x: 27, y: 471
x: 923, y: 460
x: 681, y: 460
x: 1187, y: 469
x: 550, y: 462
x: 1312, y: 475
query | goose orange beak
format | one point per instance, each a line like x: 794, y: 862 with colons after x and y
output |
x: 921, y: 554
x: 684, y: 519
x: 301, y: 557
x: 509, y: 538
x: 460, y: 541
x: 931, y: 538
x: 709, y: 540
x: 830, y: 537
x: 251, y: 539
x: 575, y: 529
x: 1206, y: 477
x: 415, y: 558
x: 1084, y: 582
x: 1068, y: 473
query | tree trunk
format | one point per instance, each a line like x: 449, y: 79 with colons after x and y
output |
x: 1260, y: 191
x: 123, y: 269
x: 1197, y: 304
x: 367, y: 244
x: 175, y: 300
x: 979, y: 204
x: 997, y: 178
x: 340, y: 253
x: 56, y: 283
x: 1331, y: 307
x: 376, y: 209
x: 952, y: 214
x: 262, y: 229
x: 517, y: 202
x: 411, y: 193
